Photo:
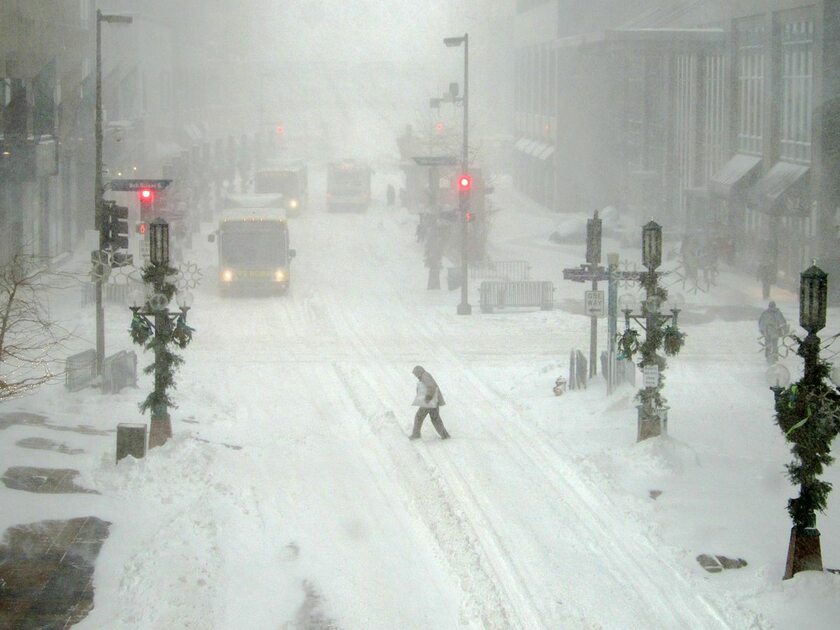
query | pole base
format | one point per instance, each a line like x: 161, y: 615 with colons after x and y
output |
x: 160, y: 430
x: 648, y: 426
x: 804, y: 552
x: 464, y: 309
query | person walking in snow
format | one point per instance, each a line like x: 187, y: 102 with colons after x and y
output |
x: 772, y: 325
x: 429, y: 399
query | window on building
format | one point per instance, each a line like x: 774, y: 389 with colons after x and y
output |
x: 715, y: 113
x: 796, y: 90
x: 751, y: 68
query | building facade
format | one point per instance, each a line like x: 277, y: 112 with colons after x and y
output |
x: 720, y: 119
x: 46, y: 118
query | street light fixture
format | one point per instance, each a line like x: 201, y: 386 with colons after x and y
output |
x: 99, y: 188
x: 652, y: 245
x: 464, y: 307
x: 159, y: 242
x: 813, y: 298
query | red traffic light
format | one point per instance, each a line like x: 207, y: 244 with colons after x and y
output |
x: 280, y: 130
x: 439, y: 127
x: 141, y: 228
x: 468, y: 217
x: 464, y: 183
x: 146, y: 195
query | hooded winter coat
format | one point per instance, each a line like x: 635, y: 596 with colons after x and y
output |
x: 428, y: 392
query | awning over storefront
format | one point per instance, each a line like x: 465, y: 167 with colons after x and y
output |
x: 534, y: 148
x: 521, y: 144
x: 537, y: 149
x: 781, y: 188
x: 547, y: 152
x: 529, y: 149
x: 735, y: 175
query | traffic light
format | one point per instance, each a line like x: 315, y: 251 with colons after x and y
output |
x: 140, y: 228
x: 280, y: 130
x: 439, y: 127
x: 116, y: 224
x: 464, y: 183
x: 469, y: 216
x: 147, y: 201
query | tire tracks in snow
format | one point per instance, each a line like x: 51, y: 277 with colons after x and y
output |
x: 672, y: 602
x: 473, y: 548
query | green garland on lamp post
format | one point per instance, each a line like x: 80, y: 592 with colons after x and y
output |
x: 652, y: 404
x: 808, y: 412
x: 167, y: 330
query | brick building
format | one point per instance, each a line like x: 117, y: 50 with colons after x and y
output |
x: 717, y: 118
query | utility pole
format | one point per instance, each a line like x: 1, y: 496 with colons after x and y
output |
x: 99, y: 189
x: 464, y: 307
x: 593, y: 257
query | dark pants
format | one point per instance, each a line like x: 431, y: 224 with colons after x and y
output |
x: 771, y: 349
x: 434, y: 412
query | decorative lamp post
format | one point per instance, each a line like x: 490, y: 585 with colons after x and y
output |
x: 808, y: 412
x: 464, y: 307
x: 169, y: 328
x: 661, y: 331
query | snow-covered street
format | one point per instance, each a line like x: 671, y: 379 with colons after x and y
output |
x: 290, y: 493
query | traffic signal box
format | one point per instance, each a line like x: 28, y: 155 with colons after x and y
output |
x: 147, y: 203
x: 115, y: 226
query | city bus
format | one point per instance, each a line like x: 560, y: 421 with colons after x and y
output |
x: 348, y: 185
x: 253, y: 250
x: 290, y: 180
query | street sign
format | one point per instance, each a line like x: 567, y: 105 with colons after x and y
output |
x: 650, y: 375
x: 123, y: 185
x: 435, y: 160
x: 585, y: 274
x: 595, y: 304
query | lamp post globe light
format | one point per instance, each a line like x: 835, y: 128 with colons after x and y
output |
x: 808, y: 412
x: 464, y: 307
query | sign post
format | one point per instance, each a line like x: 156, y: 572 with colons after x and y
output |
x: 592, y: 271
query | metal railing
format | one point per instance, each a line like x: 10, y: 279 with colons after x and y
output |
x: 500, y: 270
x: 500, y: 294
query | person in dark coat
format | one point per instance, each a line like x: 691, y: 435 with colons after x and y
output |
x: 772, y: 325
x: 429, y: 399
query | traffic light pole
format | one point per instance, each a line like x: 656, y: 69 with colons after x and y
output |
x: 464, y: 307
x: 99, y: 189
x: 97, y: 202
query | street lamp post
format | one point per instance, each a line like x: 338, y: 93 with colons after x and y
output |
x: 464, y: 307
x: 652, y: 411
x: 99, y: 190
x: 168, y: 328
x: 809, y: 414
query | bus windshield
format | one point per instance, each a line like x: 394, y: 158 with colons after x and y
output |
x: 277, y: 181
x: 253, y: 248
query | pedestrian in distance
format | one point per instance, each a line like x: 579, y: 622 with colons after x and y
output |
x: 429, y: 399
x: 772, y: 325
x: 767, y: 276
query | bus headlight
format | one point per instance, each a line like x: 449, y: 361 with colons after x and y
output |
x: 280, y: 275
x: 293, y: 203
x: 227, y: 275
